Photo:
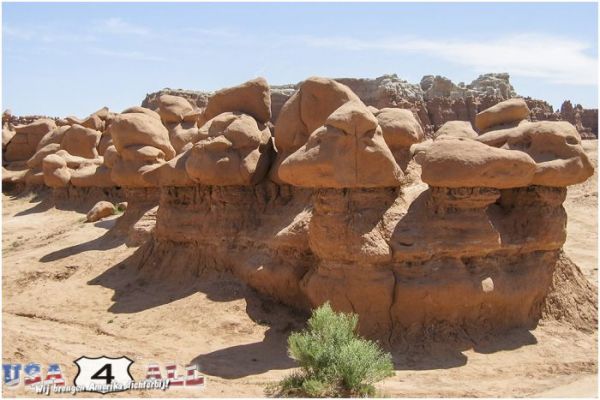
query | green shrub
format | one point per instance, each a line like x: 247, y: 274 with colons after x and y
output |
x: 334, y: 361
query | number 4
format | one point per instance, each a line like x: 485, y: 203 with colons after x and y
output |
x: 109, y: 377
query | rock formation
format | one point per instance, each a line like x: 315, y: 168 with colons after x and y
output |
x: 343, y: 201
x: 435, y: 100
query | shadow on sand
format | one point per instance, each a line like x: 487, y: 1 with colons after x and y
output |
x: 135, y: 291
x: 105, y: 242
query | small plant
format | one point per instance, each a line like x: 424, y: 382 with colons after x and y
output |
x: 334, y: 360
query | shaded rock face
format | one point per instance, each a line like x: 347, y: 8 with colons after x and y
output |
x: 403, y: 264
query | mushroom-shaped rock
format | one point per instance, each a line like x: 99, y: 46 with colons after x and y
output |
x: 467, y: 163
x: 173, y: 108
x: 140, y: 129
x: 252, y: 98
x: 349, y: 151
x: 307, y: 110
x: 235, y: 150
x: 506, y: 112
x: 555, y: 146
x: 55, y: 170
x: 456, y: 129
x: 80, y: 141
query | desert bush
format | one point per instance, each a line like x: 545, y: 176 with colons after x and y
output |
x: 334, y: 360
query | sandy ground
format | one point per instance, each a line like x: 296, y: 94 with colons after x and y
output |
x: 70, y: 290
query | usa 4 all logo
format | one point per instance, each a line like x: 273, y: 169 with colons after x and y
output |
x: 103, y: 374
x: 32, y: 375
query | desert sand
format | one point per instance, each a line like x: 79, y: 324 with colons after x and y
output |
x: 70, y: 290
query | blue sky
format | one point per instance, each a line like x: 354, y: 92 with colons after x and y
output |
x: 72, y: 58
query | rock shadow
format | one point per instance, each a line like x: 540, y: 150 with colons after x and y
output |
x: 44, y: 205
x: 256, y: 358
x: 105, y: 242
x: 448, y: 351
x: 135, y: 291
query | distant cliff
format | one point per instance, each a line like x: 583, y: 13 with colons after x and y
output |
x: 435, y: 100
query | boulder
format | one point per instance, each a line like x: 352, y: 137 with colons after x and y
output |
x: 555, y: 146
x: 173, y: 108
x: 92, y: 175
x: 110, y: 156
x: 77, y: 161
x: 456, y: 129
x: 400, y: 128
x: 506, y: 112
x: 54, y: 136
x: 101, y: 209
x: 140, y: 129
x: 141, y: 110
x: 36, y: 160
x: 38, y: 127
x: 80, y: 141
x: 307, y: 110
x: 102, y: 113
x: 460, y: 162
x: 72, y: 120
x: 93, y: 122
x: 105, y: 143
x: 56, y: 173
x: 252, y: 98
x: 24, y: 143
x: 235, y: 150
x: 182, y: 133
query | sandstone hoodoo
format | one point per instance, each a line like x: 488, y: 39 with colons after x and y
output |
x: 344, y: 199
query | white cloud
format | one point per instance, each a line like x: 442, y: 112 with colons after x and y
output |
x: 47, y: 34
x: 117, y: 26
x: 220, y: 32
x: 554, y: 59
x: 128, y: 55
